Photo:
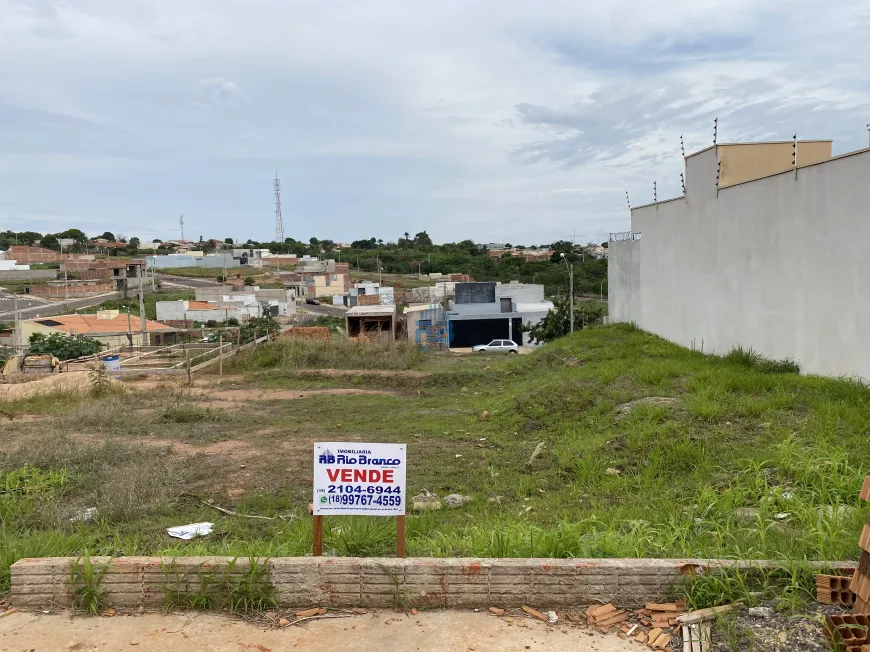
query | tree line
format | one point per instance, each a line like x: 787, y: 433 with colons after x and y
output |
x: 408, y: 254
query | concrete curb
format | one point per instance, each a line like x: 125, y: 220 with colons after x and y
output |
x: 133, y: 582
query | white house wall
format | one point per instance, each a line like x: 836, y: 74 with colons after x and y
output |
x: 778, y: 265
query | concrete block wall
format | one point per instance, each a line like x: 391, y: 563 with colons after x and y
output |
x: 27, y: 274
x: 133, y: 582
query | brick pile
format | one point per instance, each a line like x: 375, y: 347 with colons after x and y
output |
x: 653, y: 626
x: 860, y: 585
x: 850, y: 632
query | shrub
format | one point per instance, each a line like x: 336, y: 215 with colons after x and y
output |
x: 64, y: 347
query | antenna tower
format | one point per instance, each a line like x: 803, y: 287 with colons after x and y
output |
x: 279, y: 219
x: 181, y: 224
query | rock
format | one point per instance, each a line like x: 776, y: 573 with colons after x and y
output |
x: 760, y: 612
x: 456, y: 500
x: 283, y: 622
x: 612, y: 471
x: 484, y: 414
x: 842, y: 511
x: 426, y: 501
x: 747, y: 514
x: 626, y: 408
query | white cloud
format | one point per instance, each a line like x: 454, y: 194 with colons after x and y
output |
x: 217, y: 91
x: 386, y: 116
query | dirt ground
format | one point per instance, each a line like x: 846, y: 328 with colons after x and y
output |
x: 448, y: 631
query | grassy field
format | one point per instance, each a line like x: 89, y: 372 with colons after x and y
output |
x: 402, y: 280
x: 608, y: 443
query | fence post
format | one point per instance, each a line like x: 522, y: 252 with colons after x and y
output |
x: 189, y: 372
x: 221, y: 353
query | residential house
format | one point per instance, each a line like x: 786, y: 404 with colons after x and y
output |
x: 371, y: 322
x: 427, y: 325
x: 482, y: 312
x: 182, y: 314
x: 111, y: 327
x: 275, y: 302
x: 318, y: 278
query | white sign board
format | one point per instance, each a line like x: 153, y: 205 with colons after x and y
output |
x: 359, y: 479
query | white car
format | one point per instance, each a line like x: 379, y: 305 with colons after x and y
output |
x: 497, y: 346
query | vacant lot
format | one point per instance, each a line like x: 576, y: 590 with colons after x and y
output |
x: 612, y: 442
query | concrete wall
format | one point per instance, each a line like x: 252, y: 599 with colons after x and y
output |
x: 624, y: 298
x: 475, y: 293
x: 216, y: 261
x: 520, y: 292
x: 28, y: 275
x: 746, y: 161
x: 133, y: 582
x: 778, y: 265
x: 179, y: 311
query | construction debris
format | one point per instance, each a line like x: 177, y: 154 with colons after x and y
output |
x: 603, y: 616
x: 496, y: 611
x: 536, y: 614
x: 846, y: 632
x: 860, y: 584
x: 706, y: 614
x: 833, y: 589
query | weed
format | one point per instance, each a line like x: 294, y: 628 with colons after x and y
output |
x: 337, y: 352
x: 191, y: 414
x: 749, y: 359
x: 100, y: 384
x: 86, y: 579
x: 400, y: 592
x: 236, y: 588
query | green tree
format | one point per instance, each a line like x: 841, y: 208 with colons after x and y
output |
x: 108, y: 235
x: 249, y: 280
x: 422, y: 239
x: 228, y: 241
x: 64, y: 347
x: 557, y: 322
x: 133, y: 245
x: 50, y: 241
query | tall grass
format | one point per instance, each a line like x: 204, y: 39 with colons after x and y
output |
x: 336, y: 352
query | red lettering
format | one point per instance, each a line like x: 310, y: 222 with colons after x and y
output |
x: 388, y: 475
x: 333, y: 474
x: 374, y: 475
x: 346, y: 475
x: 359, y: 475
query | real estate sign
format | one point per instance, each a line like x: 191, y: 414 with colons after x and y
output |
x: 360, y: 479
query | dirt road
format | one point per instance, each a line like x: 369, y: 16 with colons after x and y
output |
x: 385, y: 631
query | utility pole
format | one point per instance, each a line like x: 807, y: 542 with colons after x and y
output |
x: 18, y: 346
x: 141, y: 305
x: 570, y: 290
x: 65, y: 281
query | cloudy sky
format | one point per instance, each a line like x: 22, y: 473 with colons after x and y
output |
x: 485, y: 119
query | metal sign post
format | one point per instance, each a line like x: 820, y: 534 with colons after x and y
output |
x: 359, y: 480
